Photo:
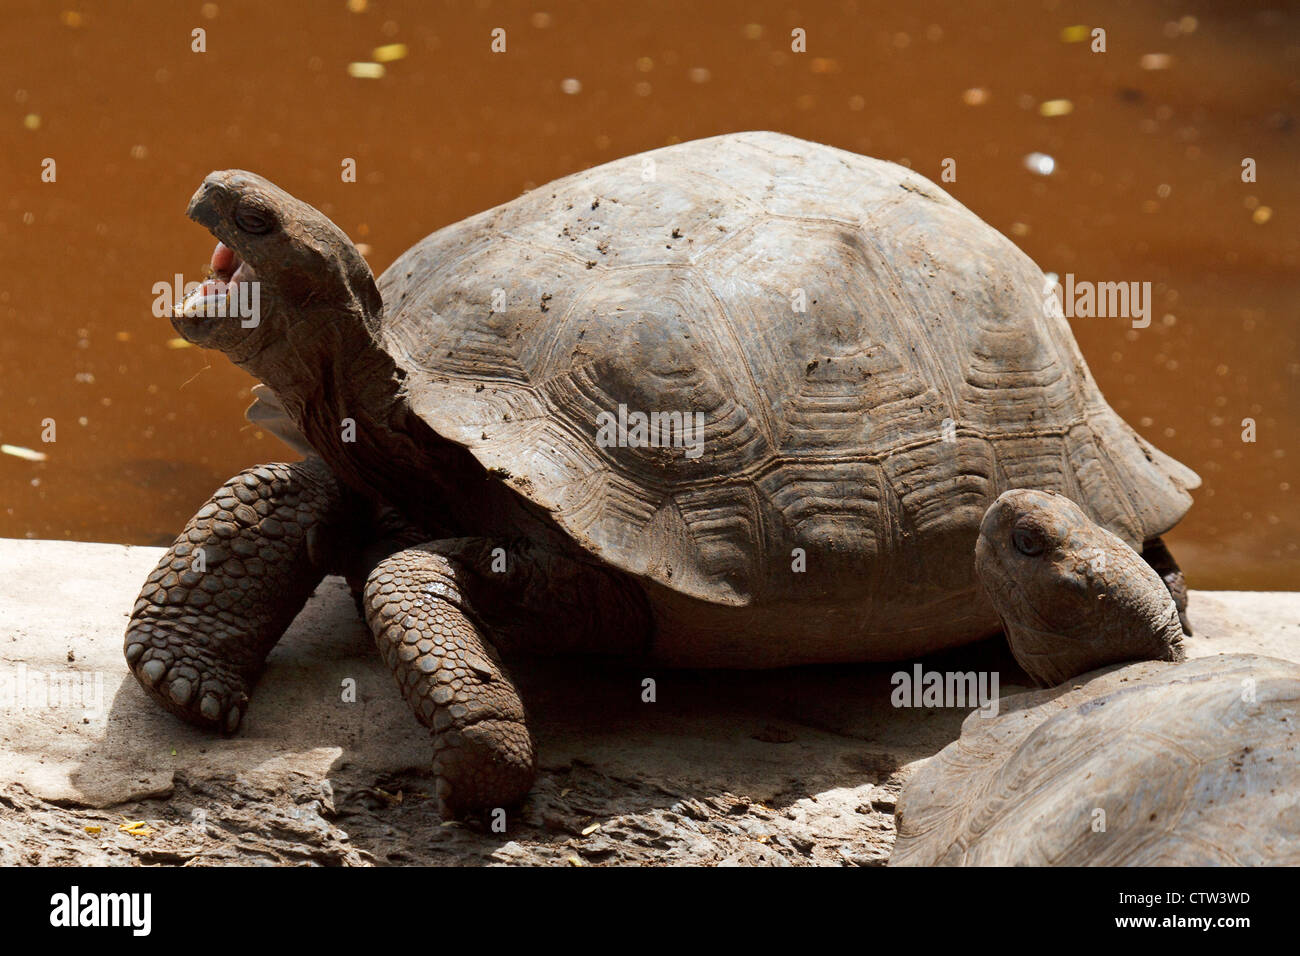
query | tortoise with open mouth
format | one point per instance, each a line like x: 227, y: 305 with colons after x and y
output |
x: 869, y: 366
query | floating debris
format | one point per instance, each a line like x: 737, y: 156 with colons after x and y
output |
x: 588, y: 831
x: 1156, y: 61
x: 32, y: 121
x: 570, y: 86
x: 356, y: 6
x: 178, y: 344
x: 390, y: 52
x: 366, y: 71
x: 1055, y: 108
x: 975, y: 96
x: 27, y: 454
x: 1261, y: 215
x: 1040, y: 163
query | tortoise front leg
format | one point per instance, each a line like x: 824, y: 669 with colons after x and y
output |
x: 229, y: 586
x: 436, y: 612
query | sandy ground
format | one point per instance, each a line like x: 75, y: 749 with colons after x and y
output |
x: 795, y: 767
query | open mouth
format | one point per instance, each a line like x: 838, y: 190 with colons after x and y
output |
x: 221, y: 289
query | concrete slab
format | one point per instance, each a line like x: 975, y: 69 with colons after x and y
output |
x: 783, y: 767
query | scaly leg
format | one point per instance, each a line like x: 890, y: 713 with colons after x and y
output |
x: 230, y: 585
x: 436, y: 612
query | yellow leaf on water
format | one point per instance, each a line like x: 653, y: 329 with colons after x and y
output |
x: 366, y: 71
x: 390, y: 52
x: 177, y: 344
x: 587, y: 831
x: 1055, y: 108
x: 18, y: 451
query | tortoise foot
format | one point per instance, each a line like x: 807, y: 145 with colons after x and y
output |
x: 483, y: 766
x: 186, y: 680
x: 452, y: 678
x: 224, y: 592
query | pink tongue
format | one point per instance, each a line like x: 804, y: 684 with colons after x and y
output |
x: 223, y: 260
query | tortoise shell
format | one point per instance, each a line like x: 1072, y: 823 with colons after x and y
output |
x: 868, y: 365
x: 1149, y: 764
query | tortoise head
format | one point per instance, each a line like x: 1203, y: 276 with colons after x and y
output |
x: 287, y: 282
x: 1072, y: 596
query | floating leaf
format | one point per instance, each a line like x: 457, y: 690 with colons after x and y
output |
x: 18, y: 451
x: 366, y: 71
x: 390, y: 52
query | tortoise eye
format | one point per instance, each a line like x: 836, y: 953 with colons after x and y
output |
x: 252, y: 218
x: 1027, y: 541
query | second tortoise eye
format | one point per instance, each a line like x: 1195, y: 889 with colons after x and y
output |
x: 1027, y: 541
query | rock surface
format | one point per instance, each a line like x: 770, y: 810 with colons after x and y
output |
x: 791, y: 767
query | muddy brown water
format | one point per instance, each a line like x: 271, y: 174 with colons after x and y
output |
x: 1146, y: 140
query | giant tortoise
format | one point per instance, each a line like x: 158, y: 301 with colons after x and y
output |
x: 738, y: 402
